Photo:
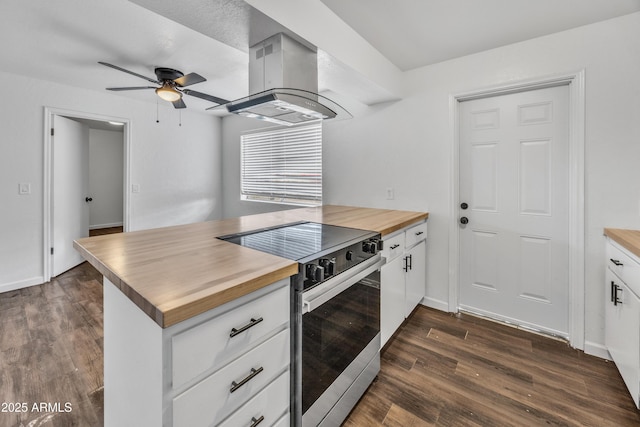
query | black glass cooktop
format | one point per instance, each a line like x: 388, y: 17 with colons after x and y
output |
x: 299, y: 241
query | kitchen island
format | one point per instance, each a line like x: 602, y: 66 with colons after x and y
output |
x: 171, y: 297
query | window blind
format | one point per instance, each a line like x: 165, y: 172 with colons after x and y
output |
x: 283, y: 165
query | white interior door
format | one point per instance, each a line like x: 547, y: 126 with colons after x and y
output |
x: 514, y: 177
x: 70, y: 221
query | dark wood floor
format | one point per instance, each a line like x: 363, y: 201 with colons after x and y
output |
x: 51, y: 352
x: 439, y: 369
x: 458, y: 370
x: 102, y: 231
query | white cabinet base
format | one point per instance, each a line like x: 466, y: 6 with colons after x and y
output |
x: 138, y: 368
x: 622, y: 317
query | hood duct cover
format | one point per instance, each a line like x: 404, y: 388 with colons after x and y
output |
x: 283, y: 78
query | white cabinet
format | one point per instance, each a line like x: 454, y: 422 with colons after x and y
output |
x: 392, y: 302
x: 416, y: 276
x: 622, y: 315
x: 402, y: 278
x: 227, y: 366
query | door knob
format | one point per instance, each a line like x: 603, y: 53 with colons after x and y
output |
x: 88, y: 199
x: 464, y: 220
x: 463, y: 205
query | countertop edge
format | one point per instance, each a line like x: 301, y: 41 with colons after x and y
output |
x: 628, y: 239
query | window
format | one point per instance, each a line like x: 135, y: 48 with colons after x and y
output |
x: 283, y: 165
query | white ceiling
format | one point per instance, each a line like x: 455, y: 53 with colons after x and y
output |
x: 63, y: 40
x: 415, y: 33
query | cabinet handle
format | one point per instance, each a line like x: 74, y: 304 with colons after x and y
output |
x: 392, y: 247
x: 616, y: 301
x: 252, y: 374
x: 255, y: 422
x: 406, y: 264
x: 616, y: 262
x: 613, y: 284
x: 410, y: 262
x: 419, y: 233
x: 251, y: 324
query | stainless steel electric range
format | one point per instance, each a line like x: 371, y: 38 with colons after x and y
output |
x: 335, y: 314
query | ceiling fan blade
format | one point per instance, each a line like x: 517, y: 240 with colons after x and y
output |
x: 205, y: 96
x: 115, y: 67
x: 189, y: 79
x: 179, y: 104
x: 131, y: 88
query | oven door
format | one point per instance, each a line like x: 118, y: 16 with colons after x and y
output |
x: 340, y: 343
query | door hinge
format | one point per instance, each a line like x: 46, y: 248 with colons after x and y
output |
x: 51, y: 251
x: 51, y: 131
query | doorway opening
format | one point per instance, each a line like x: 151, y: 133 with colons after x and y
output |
x: 576, y: 287
x: 86, y: 174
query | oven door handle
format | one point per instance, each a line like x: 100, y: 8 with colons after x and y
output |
x: 322, y: 293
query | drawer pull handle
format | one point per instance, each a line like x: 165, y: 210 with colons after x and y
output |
x: 616, y: 262
x: 616, y: 300
x: 392, y: 247
x: 419, y: 233
x: 613, y: 292
x: 253, y: 373
x: 255, y: 422
x: 251, y: 324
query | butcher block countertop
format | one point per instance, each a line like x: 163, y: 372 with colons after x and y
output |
x: 175, y: 273
x: 628, y: 239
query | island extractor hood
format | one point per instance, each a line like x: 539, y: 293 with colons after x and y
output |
x: 283, y: 81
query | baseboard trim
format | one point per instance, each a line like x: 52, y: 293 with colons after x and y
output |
x: 595, y: 349
x: 6, y: 287
x: 434, y: 303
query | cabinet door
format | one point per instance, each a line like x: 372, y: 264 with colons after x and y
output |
x: 416, y: 277
x: 623, y: 336
x: 391, y: 298
x: 611, y: 314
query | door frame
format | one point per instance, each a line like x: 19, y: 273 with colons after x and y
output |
x: 49, y: 114
x: 576, y: 83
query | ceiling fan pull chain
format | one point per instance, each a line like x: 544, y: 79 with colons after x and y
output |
x: 180, y: 117
x: 157, y: 111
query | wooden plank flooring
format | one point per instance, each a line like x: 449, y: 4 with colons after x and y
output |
x: 458, y: 370
x: 51, y: 352
x: 439, y: 369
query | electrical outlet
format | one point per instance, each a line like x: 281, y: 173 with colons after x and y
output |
x: 135, y: 188
x: 390, y: 193
x: 24, y: 188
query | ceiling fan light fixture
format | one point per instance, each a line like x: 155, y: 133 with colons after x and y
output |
x: 168, y: 93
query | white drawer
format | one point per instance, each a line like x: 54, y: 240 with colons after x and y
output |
x: 283, y: 422
x: 210, y: 345
x: 625, y: 265
x: 415, y: 235
x: 271, y: 403
x: 393, y: 247
x: 211, y: 400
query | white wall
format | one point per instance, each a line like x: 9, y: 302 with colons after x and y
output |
x: 106, y: 171
x: 177, y: 167
x: 406, y: 145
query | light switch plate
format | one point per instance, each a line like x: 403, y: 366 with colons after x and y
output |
x: 24, y: 188
x: 135, y: 188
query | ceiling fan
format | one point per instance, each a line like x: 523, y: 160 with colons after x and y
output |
x: 172, y: 83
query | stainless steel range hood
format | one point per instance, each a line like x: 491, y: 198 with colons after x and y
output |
x: 283, y: 81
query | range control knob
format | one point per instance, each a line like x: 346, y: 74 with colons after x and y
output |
x: 310, y: 272
x: 349, y: 255
x: 370, y: 247
x: 329, y: 266
x: 319, y: 274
